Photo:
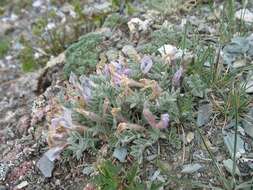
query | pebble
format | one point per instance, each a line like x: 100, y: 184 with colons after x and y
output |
x: 4, y: 169
x: 22, y: 185
x: 189, y: 137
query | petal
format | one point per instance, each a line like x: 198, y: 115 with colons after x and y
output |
x: 177, y: 77
x: 117, y: 65
x: 165, y: 120
x: 146, y: 64
x: 127, y: 72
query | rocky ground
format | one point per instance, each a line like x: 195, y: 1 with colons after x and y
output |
x: 193, y: 147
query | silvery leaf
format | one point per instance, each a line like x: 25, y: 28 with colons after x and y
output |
x: 228, y: 164
x: 120, y: 153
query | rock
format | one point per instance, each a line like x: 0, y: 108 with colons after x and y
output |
x: 120, y: 153
x: 249, y: 87
x: 229, y: 140
x: 189, y: 137
x: 23, y: 124
x: 46, y: 166
x: 204, y: 114
x: 46, y: 162
x: 136, y: 24
x: 248, y: 123
x: 167, y: 49
x: 60, y: 59
x: 245, y: 15
x: 191, y: 168
x: 69, y: 9
x: 88, y: 169
x: 170, y: 52
x: 37, y: 3
x: 5, y: 27
x: 91, y: 9
x: 2, y: 187
x: 22, y: 185
x: 228, y: 164
x: 4, y: 169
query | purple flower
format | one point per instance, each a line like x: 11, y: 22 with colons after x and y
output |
x: 146, y: 64
x: 117, y: 65
x: 165, y: 119
x: 116, y: 79
x: 120, y: 68
x: 118, y: 71
x: 65, y: 120
x: 164, y: 122
x: 177, y: 77
x: 127, y: 72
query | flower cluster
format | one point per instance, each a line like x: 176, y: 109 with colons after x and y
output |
x: 121, y: 95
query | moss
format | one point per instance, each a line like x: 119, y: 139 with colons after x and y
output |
x: 112, y: 20
x: 4, y: 47
x: 39, y: 26
x: 164, y: 6
x: 82, y: 57
x: 27, y: 59
x: 159, y: 38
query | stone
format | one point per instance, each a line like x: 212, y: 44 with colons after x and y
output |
x: 4, y: 169
x: 46, y: 166
x: 245, y: 15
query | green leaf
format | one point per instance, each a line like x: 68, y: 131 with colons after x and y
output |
x: 132, y: 173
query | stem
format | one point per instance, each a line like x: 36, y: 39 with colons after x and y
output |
x: 236, y: 104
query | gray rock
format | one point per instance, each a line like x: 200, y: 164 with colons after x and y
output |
x: 4, y: 169
x: 204, y: 114
x: 46, y: 166
x: 97, y: 8
x: 228, y: 164
x: 229, y: 140
x: 2, y: 187
x: 120, y: 153
x: 191, y: 168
